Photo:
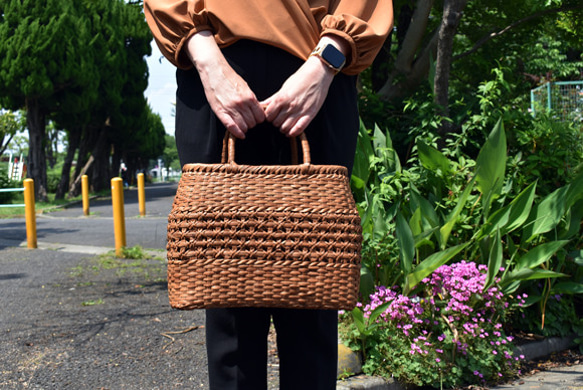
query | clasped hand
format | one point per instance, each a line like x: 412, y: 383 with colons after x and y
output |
x: 291, y: 108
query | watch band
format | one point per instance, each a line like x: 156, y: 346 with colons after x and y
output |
x: 330, y: 56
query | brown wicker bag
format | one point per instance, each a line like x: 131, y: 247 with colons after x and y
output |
x: 263, y: 236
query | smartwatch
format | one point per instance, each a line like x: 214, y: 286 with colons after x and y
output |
x: 331, y: 56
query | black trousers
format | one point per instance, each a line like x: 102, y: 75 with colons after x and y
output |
x: 237, y: 338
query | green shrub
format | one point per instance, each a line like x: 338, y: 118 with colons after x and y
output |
x: 5, y: 182
x: 445, y: 207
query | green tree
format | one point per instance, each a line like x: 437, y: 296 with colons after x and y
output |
x: 454, y: 44
x: 10, y: 124
x: 43, y: 53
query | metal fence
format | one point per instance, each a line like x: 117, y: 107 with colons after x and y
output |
x: 562, y: 99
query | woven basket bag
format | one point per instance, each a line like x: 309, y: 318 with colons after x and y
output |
x: 263, y: 236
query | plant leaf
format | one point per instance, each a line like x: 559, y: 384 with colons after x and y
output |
x: 363, y: 156
x: 567, y: 288
x: 511, y: 216
x: 491, y: 166
x: 358, y: 317
x: 406, y: 243
x: 494, y: 261
x: 377, y: 312
x: 539, y: 254
x: 430, y: 264
x: 433, y: 159
x: 452, y: 218
x: 548, y: 213
x: 530, y: 274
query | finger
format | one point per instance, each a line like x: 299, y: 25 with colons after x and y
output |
x: 288, y: 125
x: 258, y: 113
x: 235, y: 126
x: 300, y: 126
x: 245, y: 119
x: 272, y: 109
x: 236, y: 132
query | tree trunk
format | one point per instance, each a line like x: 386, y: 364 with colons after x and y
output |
x: 413, y: 60
x: 452, y: 13
x: 37, y: 164
x: 88, y: 140
x: 100, y: 171
x: 76, y: 185
x: 74, y: 140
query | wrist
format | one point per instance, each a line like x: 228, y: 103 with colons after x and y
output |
x: 331, y: 51
x: 202, y: 50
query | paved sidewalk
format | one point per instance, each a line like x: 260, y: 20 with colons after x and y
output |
x: 70, y: 322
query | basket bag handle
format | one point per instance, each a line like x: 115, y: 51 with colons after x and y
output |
x: 228, y: 154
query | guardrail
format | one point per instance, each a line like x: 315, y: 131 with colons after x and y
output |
x: 29, y: 210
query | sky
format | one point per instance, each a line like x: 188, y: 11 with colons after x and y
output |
x: 161, y: 91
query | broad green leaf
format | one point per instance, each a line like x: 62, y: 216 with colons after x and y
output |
x: 549, y: 212
x: 491, y: 166
x: 520, y: 208
x: 428, y: 214
x: 452, y: 218
x: 511, y: 216
x: 356, y: 182
x: 358, y: 317
x: 379, y: 217
x: 415, y: 223
x: 364, y: 155
x: 575, y: 216
x: 567, y: 288
x: 530, y: 274
x: 406, y: 243
x: 539, y: 254
x: 432, y: 158
x: 366, y: 282
x: 379, y: 139
x: 377, y: 312
x: 494, y: 261
x: 430, y: 264
x: 423, y: 238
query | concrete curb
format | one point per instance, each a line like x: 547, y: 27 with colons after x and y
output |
x: 530, y: 351
x: 363, y: 382
x: 545, y: 347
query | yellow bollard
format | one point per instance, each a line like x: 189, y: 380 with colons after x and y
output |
x: 85, y: 193
x: 29, y: 213
x: 141, y: 194
x: 118, y: 215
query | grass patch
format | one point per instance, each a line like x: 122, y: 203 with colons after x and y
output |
x: 136, y: 263
x: 92, y: 302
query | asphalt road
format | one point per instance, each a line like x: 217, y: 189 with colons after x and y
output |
x: 70, y: 226
x: 71, y: 319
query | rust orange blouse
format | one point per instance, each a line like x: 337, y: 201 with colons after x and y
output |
x: 293, y: 25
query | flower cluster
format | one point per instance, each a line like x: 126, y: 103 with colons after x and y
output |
x: 454, y: 325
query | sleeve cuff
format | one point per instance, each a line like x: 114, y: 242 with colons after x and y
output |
x: 352, y: 56
x: 181, y: 58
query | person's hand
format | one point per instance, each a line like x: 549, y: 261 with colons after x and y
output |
x: 229, y: 96
x: 300, y: 98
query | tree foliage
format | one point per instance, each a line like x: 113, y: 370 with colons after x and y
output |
x: 441, y: 50
x: 80, y: 64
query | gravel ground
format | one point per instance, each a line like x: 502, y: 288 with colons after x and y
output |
x: 72, y: 321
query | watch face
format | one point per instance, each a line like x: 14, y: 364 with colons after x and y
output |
x: 333, y: 56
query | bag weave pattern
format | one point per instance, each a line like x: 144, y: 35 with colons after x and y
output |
x: 263, y: 236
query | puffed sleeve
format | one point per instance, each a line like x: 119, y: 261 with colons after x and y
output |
x: 172, y: 22
x: 364, y: 24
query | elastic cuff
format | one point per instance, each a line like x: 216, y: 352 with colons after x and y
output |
x: 353, y: 55
x: 181, y: 58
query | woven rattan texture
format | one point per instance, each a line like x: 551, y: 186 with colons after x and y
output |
x: 263, y: 236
